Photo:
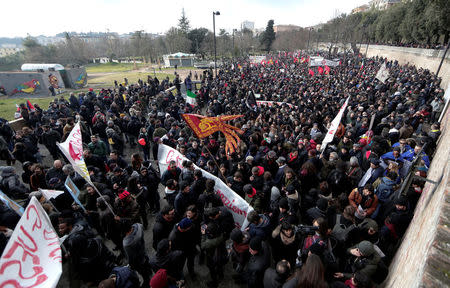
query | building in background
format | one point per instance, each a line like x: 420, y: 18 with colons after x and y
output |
x: 286, y: 28
x: 248, y: 25
x: 383, y: 4
x: 360, y: 9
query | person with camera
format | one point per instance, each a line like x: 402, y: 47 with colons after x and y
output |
x: 213, y: 243
x: 285, y: 243
x: 363, y: 258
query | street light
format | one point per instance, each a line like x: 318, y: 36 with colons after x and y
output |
x: 215, y: 49
x: 309, y: 36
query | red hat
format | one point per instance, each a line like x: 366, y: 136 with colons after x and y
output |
x: 159, y: 280
x: 91, y: 89
x: 124, y: 195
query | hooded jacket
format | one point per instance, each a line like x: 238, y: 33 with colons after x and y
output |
x: 134, y: 246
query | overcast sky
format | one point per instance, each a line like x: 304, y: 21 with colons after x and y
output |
x: 48, y: 17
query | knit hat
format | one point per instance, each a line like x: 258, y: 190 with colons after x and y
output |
x: 256, y: 244
x: 401, y: 201
x: 237, y: 235
x: 185, y: 223
x: 365, y: 248
x: 283, y: 203
x: 124, y: 195
x: 162, y: 246
x: 322, y: 204
x: 159, y: 280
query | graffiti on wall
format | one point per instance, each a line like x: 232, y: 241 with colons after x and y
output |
x: 81, y: 79
x: 53, y: 81
x: 27, y: 87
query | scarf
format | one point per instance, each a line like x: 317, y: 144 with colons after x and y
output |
x: 287, y: 240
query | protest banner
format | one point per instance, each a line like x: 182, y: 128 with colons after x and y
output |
x: 383, y: 73
x: 11, y: 204
x: 271, y: 103
x: 334, y: 125
x: 74, y: 191
x: 238, y: 207
x: 32, y: 257
x: 72, y: 148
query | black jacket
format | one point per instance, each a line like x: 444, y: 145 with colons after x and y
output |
x: 161, y: 230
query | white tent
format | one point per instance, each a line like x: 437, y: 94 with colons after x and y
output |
x: 43, y: 66
x: 179, y: 59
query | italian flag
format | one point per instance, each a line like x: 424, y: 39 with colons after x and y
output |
x: 191, y: 98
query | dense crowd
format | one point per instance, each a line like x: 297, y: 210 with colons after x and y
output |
x: 323, y: 216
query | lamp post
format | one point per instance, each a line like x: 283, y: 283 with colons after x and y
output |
x: 309, y: 36
x: 215, y: 49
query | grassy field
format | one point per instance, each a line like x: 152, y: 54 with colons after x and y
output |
x: 123, y: 67
x: 113, y: 67
x: 133, y: 77
x: 8, y: 105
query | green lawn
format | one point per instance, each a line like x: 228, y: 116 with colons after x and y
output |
x: 113, y: 67
x: 8, y: 105
x: 133, y: 77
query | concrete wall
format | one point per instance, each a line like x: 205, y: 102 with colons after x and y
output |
x: 425, y: 58
x: 13, y: 80
x: 423, y: 257
x: 77, y: 77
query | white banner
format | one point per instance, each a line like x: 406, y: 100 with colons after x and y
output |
x: 334, y: 125
x: 323, y: 62
x: 238, y: 207
x: 271, y: 103
x: 49, y: 194
x: 73, y: 150
x: 383, y: 73
x: 32, y: 257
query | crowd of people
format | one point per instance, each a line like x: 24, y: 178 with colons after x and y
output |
x: 329, y: 216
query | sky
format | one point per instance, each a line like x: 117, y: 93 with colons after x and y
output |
x: 49, y: 17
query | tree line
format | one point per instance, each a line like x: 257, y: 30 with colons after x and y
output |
x: 410, y: 22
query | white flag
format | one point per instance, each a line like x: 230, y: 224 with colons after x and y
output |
x: 49, y: 194
x: 334, y: 125
x: 32, y: 257
x: 383, y: 73
x: 237, y: 206
x: 73, y: 150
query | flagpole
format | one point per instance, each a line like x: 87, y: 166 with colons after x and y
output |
x: 215, y: 162
x: 48, y: 200
x: 106, y: 202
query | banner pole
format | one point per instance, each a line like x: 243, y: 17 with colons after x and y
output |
x: 215, y: 162
x: 106, y: 202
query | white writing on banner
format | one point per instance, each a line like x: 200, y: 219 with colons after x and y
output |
x: 238, y: 207
x: 257, y: 59
x: 383, y: 73
x: 271, y: 103
x: 72, y: 148
x: 323, y: 62
x: 32, y: 257
x: 334, y: 125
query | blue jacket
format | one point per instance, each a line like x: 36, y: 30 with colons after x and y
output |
x: 410, y: 155
x: 390, y: 156
x: 385, y: 189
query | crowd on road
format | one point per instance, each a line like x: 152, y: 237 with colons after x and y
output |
x: 328, y: 216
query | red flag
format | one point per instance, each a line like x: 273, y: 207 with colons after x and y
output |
x: 295, y: 59
x: 320, y: 69
x: 204, y: 126
x: 30, y: 106
x: 311, y: 72
x: 327, y: 69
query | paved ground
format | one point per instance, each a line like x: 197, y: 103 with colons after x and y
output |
x: 202, y: 271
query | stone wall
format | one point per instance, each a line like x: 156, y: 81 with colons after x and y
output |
x: 425, y: 58
x: 423, y: 257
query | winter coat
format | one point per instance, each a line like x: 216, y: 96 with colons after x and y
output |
x: 355, y: 199
x: 262, y: 229
x: 161, y: 230
x: 134, y: 246
x: 10, y: 183
x: 256, y: 267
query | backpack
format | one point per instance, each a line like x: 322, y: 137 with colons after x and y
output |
x: 383, y: 192
x: 340, y: 231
